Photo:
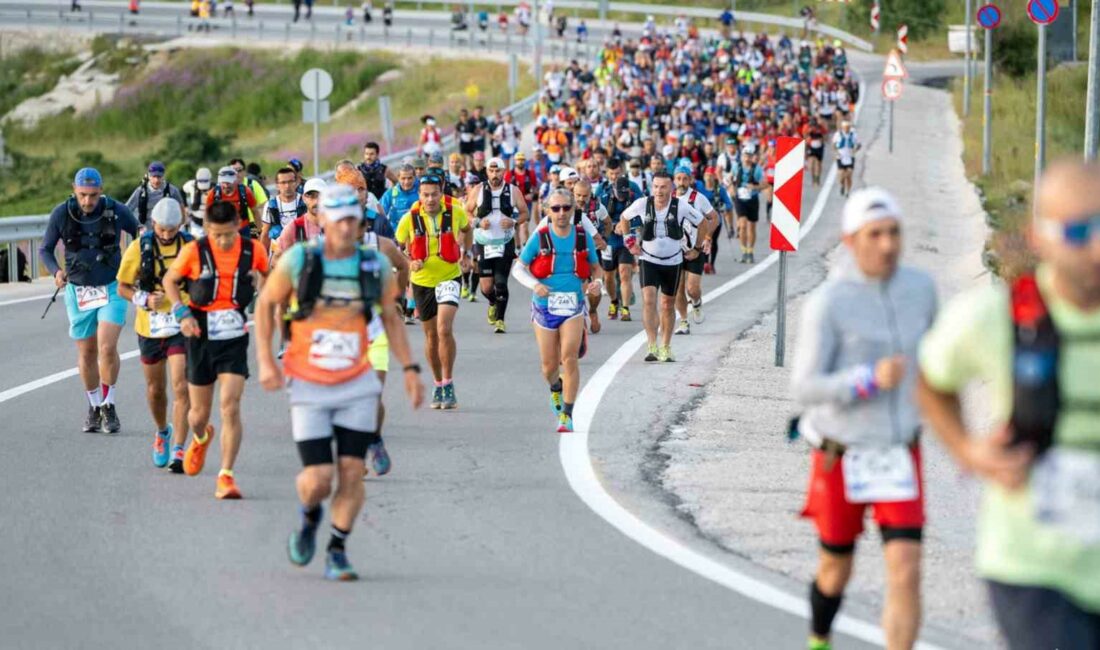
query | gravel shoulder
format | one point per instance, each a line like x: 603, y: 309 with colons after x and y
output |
x: 728, y: 466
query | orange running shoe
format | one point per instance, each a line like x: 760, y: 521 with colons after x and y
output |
x: 227, y: 488
x: 195, y: 457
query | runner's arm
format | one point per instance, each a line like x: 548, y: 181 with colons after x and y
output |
x: 265, y: 235
x: 276, y: 292
x: 46, y: 250
x: 399, y: 342
x: 521, y: 205
x: 400, y: 262
x: 813, y: 379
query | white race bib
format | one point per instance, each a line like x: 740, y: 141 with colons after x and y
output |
x: 447, y: 292
x: 465, y: 137
x: 606, y: 253
x: 89, y: 298
x: 816, y: 144
x: 492, y: 251
x: 879, y: 475
x: 334, y: 350
x: 162, y: 325
x: 1066, y: 484
x: 744, y: 193
x: 225, y: 324
x: 560, y: 303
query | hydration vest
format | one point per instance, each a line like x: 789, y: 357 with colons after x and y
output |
x: 580, y: 213
x: 300, y: 229
x: 204, y: 290
x: 486, y: 206
x: 152, y: 267
x: 143, y: 200
x: 247, y: 226
x: 331, y: 348
x: 673, y: 229
x: 448, y: 244
x: 1037, y: 397
x: 375, y: 176
x: 275, y: 216
x: 543, y: 264
x: 74, y: 237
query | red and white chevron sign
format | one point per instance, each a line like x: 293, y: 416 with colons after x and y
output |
x: 790, y: 160
x: 903, y: 39
x: 876, y: 13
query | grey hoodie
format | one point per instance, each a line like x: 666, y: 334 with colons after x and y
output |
x: 849, y: 323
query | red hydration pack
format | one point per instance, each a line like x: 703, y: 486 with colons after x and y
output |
x: 543, y: 265
x: 448, y: 244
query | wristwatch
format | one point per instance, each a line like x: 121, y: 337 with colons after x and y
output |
x: 415, y: 367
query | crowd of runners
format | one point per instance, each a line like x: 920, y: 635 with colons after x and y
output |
x: 636, y: 165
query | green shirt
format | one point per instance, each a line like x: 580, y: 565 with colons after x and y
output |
x: 972, y: 340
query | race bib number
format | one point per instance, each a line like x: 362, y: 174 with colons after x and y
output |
x: 879, y: 475
x: 845, y: 158
x: 606, y: 253
x: 561, y: 303
x: 225, y: 324
x: 744, y: 193
x: 1066, y: 484
x: 89, y: 298
x: 447, y: 292
x: 162, y: 325
x: 492, y: 251
x: 465, y: 137
x: 333, y: 349
x: 816, y: 144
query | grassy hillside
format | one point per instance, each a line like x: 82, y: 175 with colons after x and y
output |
x: 199, y: 107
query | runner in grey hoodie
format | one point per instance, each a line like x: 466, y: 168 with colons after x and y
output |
x: 855, y: 374
x: 152, y: 189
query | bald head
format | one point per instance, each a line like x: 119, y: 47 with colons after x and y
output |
x: 1066, y: 232
x: 1069, y: 190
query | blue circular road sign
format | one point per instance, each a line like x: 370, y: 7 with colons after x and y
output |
x: 989, y: 16
x: 1042, y: 12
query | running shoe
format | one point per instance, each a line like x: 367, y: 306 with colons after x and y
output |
x: 744, y: 257
x: 111, y: 423
x: 409, y: 320
x: 664, y: 353
x: 449, y: 400
x: 651, y: 353
x: 613, y: 312
x: 337, y: 567
x: 473, y: 296
x: 682, y: 327
x: 227, y: 488
x: 697, y: 312
x: 751, y: 258
x: 819, y: 644
x: 437, y: 397
x: 195, y: 457
x: 565, y: 423
x: 160, y: 447
x: 302, y: 544
x: 464, y: 293
x: 379, y: 458
x: 624, y: 314
x: 499, y: 327
x: 94, y: 421
x: 556, y: 401
x: 176, y: 466
x: 492, y: 315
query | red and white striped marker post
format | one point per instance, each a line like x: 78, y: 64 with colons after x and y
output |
x: 903, y: 39
x: 790, y: 160
x: 876, y: 15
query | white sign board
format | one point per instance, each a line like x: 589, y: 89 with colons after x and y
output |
x: 315, y: 112
x: 316, y: 84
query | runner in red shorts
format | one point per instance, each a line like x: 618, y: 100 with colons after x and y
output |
x: 855, y: 374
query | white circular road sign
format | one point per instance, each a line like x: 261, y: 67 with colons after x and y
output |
x: 316, y: 84
x: 891, y: 89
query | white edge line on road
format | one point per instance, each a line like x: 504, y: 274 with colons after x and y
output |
x: 581, y: 474
x: 16, y: 301
x: 12, y: 393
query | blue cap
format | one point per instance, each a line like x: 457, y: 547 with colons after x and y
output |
x: 88, y: 177
x: 156, y: 168
x: 683, y: 169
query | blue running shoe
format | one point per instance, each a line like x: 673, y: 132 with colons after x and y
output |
x: 449, y: 399
x: 337, y: 567
x: 565, y: 423
x: 303, y: 542
x: 437, y: 397
x: 379, y: 458
x: 556, y: 402
x: 161, y: 449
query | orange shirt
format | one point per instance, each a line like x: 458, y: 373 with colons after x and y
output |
x: 234, y: 199
x: 189, y: 266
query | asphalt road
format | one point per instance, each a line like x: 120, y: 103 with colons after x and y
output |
x: 474, y: 540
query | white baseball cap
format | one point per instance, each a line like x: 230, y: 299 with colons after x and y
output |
x: 339, y: 201
x: 496, y: 162
x: 314, y: 185
x: 167, y: 213
x: 202, y: 178
x: 227, y: 174
x: 867, y: 205
x: 568, y: 174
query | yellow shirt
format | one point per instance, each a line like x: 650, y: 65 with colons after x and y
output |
x: 435, y: 269
x: 130, y: 268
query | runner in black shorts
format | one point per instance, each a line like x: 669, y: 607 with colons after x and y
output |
x: 748, y: 177
x: 616, y: 260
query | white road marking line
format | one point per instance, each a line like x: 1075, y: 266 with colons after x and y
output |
x: 16, y: 301
x: 581, y: 475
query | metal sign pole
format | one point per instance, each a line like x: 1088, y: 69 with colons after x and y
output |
x: 966, y: 59
x: 1092, y: 113
x: 987, y: 106
x: 317, y: 126
x: 1041, y: 108
x: 781, y: 312
x: 892, y: 126
x: 537, y: 25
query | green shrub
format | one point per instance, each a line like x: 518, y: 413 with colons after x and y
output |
x: 1014, y: 48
